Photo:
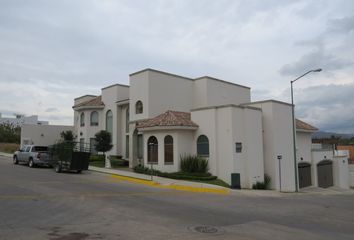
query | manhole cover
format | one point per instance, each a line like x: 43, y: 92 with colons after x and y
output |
x: 207, y: 230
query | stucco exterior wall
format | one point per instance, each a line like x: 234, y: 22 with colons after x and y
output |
x: 224, y: 126
x: 303, y: 146
x: 181, y: 146
x: 87, y: 131
x: 43, y: 135
x: 253, y: 139
x: 169, y: 93
x: 351, y: 175
x: 278, y: 140
x: 220, y: 93
x: 110, y: 95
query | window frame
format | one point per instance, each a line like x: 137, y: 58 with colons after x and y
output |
x: 152, y: 146
x: 82, y: 119
x: 94, y: 123
x: 201, y: 143
x: 139, y: 107
x: 168, y: 150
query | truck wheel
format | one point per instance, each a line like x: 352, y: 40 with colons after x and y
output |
x: 15, y: 160
x: 78, y: 171
x: 31, y: 163
x: 58, y: 168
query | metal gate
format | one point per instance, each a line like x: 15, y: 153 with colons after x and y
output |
x: 304, y: 175
x: 325, y: 173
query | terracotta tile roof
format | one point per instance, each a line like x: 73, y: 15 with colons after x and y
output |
x: 304, y: 126
x: 95, y: 102
x: 168, y: 119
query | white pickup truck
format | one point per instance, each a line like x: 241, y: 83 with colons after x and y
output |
x: 32, y: 155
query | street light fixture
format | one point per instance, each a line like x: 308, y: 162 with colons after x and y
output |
x: 293, y: 117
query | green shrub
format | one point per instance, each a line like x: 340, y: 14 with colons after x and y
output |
x: 96, y: 158
x: 187, y: 176
x: 267, y: 181
x: 176, y: 175
x: 194, y: 164
x: 262, y: 185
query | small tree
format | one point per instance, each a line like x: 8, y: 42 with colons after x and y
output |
x: 67, y: 136
x: 103, y: 144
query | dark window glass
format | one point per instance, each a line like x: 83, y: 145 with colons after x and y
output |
x: 203, y: 146
x: 152, y: 146
x: 139, y: 107
x: 94, y: 119
x: 168, y: 149
x: 82, y: 119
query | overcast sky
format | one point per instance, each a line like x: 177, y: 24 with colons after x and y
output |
x: 54, y: 51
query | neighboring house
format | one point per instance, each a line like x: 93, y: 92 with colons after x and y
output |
x: 19, y: 120
x: 349, y: 148
x: 160, y: 117
x: 42, y: 135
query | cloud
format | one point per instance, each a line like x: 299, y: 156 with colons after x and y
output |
x: 328, y: 107
x: 313, y: 60
x: 52, y: 109
x: 329, y: 49
x: 54, y: 51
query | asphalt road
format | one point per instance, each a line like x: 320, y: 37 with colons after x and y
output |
x: 41, y: 204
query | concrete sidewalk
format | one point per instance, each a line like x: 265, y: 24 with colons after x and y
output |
x: 6, y: 154
x: 162, y: 182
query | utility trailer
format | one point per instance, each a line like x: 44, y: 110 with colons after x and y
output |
x: 70, y: 156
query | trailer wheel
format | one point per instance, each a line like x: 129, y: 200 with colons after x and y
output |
x: 58, y: 168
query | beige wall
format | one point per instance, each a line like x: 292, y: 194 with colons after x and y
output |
x: 303, y: 146
x: 43, y: 135
x: 159, y: 92
x: 212, y: 92
x: 181, y: 145
x: 278, y: 140
x: 224, y: 126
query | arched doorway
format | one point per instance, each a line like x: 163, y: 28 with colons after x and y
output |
x: 304, y: 174
x: 325, y: 173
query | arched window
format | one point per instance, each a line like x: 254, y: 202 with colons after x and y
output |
x: 82, y: 119
x: 109, y: 122
x: 168, y: 142
x: 153, y: 150
x: 139, y: 107
x: 203, y: 146
x: 94, y: 118
x: 127, y: 120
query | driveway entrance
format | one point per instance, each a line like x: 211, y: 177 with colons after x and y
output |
x: 325, y: 173
x: 304, y: 175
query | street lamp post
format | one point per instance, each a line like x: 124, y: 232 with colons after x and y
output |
x: 293, y: 118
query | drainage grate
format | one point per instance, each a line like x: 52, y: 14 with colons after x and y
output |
x: 207, y: 230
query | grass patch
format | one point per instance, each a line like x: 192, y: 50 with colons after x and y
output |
x: 217, y: 182
x: 193, y: 177
x: 9, y: 147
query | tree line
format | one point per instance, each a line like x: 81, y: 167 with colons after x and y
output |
x: 10, y: 133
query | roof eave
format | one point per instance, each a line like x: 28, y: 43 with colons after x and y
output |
x: 87, y: 107
x: 159, y: 128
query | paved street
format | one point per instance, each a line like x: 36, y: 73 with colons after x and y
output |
x: 41, y: 204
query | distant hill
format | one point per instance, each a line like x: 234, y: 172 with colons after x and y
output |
x: 322, y: 134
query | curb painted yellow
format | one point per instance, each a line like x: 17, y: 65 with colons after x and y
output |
x: 134, y: 180
x: 172, y: 186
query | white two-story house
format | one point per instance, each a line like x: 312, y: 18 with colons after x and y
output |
x: 160, y: 117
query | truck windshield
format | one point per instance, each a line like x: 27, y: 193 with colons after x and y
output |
x: 40, y: 149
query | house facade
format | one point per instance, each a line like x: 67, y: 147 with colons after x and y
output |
x: 160, y: 117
